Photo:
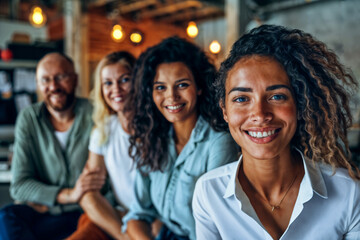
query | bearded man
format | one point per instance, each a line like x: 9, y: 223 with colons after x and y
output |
x: 50, y: 151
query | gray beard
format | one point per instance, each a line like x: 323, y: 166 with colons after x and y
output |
x: 70, y: 99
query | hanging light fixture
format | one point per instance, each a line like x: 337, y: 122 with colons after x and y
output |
x: 136, y: 37
x: 37, y: 17
x: 215, y: 47
x: 192, y: 30
x: 117, y: 33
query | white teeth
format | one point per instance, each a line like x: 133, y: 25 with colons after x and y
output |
x: 117, y: 99
x: 261, y: 134
x: 174, y: 107
x: 56, y: 96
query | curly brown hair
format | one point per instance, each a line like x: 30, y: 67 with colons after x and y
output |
x: 149, y: 141
x: 321, y: 84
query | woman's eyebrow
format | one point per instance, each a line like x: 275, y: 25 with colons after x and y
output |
x: 124, y: 74
x: 270, y: 88
x: 274, y: 87
x: 177, y: 81
x: 240, y: 89
x: 182, y: 79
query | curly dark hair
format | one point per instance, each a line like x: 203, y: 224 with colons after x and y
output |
x: 321, y: 87
x: 150, y: 128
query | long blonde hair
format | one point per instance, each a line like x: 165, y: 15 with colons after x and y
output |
x: 102, y: 111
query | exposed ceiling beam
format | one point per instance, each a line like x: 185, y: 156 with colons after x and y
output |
x: 136, y: 6
x: 99, y: 3
x: 171, y: 8
x: 282, y: 5
x: 215, y: 3
x: 171, y: 11
x: 198, y: 14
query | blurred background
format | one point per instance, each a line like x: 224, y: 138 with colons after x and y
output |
x: 87, y: 30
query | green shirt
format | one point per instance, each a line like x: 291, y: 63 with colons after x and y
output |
x: 40, y: 167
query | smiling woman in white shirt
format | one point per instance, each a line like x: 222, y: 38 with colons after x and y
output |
x: 285, y: 98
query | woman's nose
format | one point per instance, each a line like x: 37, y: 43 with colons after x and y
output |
x: 261, y: 112
x: 117, y: 86
x: 172, y: 93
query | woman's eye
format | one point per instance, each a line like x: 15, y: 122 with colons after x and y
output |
x: 240, y: 99
x: 159, y: 87
x: 278, y: 97
x: 107, y: 83
x: 183, y: 85
x: 125, y: 79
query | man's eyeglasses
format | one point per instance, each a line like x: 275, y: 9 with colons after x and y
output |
x: 58, y: 78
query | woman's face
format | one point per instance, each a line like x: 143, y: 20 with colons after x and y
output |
x: 175, y: 92
x: 115, y: 85
x: 260, y: 107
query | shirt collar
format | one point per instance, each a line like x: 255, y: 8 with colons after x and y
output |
x: 231, y: 187
x: 313, y: 180
x: 199, y: 130
x: 40, y: 108
x: 197, y: 135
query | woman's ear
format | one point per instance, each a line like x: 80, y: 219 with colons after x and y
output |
x: 221, y: 103
x: 199, y: 92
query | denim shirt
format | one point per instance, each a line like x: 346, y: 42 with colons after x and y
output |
x: 168, y: 195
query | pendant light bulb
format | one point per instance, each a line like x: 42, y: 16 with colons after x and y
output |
x: 117, y: 33
x: 136, y: 37
x: 215, y: 47
x: 192, y: 30
x: 37, y: 17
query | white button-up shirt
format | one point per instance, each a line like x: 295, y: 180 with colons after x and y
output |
x: 327, y: 206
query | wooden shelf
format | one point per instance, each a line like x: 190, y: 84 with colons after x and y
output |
x: 18, y: 64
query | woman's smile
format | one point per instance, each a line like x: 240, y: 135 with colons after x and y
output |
x: 263, y: 136
x: 175, y: 108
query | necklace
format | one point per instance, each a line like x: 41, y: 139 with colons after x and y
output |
x: 276, y: 206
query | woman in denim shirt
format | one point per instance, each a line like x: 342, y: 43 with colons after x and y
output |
x: 176, y: 137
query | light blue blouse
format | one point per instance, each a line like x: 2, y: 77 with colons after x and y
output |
x: 168, y: 195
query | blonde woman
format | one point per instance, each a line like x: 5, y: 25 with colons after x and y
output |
x: 108, y: 150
